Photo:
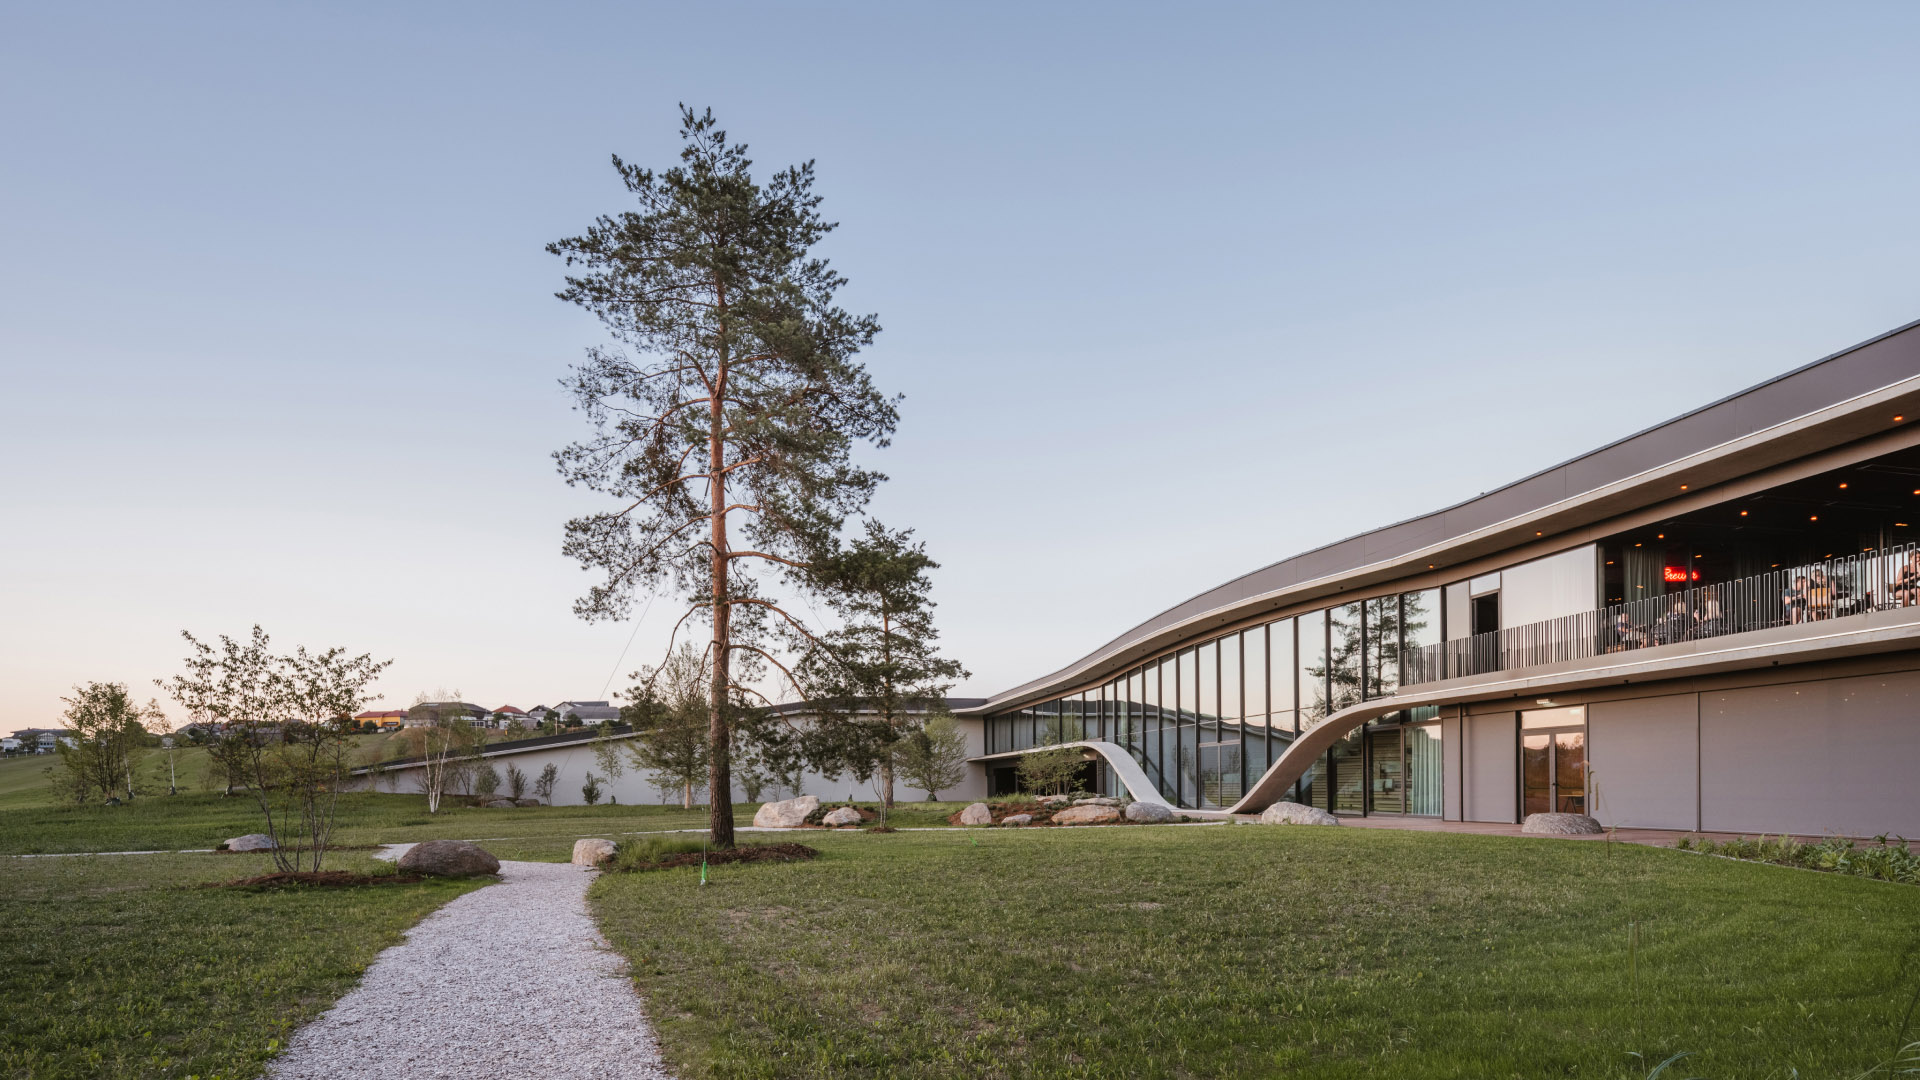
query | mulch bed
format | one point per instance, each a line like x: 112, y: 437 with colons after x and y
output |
x: 320, y: 878
x: 746, y: 853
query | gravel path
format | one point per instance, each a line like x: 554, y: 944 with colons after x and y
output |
x: 512, y: 980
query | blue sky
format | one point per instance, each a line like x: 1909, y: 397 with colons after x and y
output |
x: 1172, y: 292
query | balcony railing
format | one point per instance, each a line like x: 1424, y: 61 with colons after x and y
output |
x: 1832, y: 589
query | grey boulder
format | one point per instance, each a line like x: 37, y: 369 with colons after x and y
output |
x: 976, y: 814
x: 499, y: 804
x: 256, y: 841
x: 1293, y: 813
x: 845, y: 815
x: 1086, y: 815
x: 790, y: 814
x: 593, y: 852
x: 1560, y: 825
x: 449, y: 858
x: 1149, y: 813
x: 1017, y: 819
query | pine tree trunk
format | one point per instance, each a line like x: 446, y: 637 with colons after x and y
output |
x: 719, y: 778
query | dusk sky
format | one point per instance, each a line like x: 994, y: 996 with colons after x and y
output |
x: 1170, y: 296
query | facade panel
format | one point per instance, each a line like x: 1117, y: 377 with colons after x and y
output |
x: 1491, y: 766
x: 1645, y: 761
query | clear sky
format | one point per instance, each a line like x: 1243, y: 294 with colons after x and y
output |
x: 1172, y: 292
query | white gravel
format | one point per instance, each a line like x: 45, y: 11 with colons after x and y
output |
x: 512, y: 980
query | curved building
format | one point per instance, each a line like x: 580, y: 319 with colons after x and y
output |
x: 1711, y: 624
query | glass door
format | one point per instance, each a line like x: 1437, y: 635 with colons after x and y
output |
x: 1386, y: 767
x: 1553, y: 761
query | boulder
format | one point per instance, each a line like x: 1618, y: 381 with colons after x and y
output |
x: 976, y: 814
x: 449, y: 858
x: 1149, y: 813
x: 845, y: 815
x: 1560, y: 825
x: 499, y: 804
x: 790, y: 814
x: 1101, y: 800
x: 1055, y: 800
x: 256, y: 841
x: 1017, y: 819
x: 1086, y: 815
x: 526, y: 802
x: 1293, y: 813
x: 592, y: 852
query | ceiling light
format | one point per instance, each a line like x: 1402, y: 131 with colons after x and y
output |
x: 1683, y: 487
x: 1815, y: 517
x: 1743, y: 513
x: 1897, y: 419
x: 1843, y: 486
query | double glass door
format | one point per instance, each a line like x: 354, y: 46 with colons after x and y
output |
x: 1553, y: 761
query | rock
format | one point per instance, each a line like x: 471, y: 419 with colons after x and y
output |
x: 790, y: 814
x: 1017, y: 819
x: 1293, y: 813
x: 845, y: 815
x: 1560, y: 825
x: 1149, y: 813
x: 1055, y: 800
x: 257, y: 841
x: 1100, y: 800
x: 592, y: 852
x: 499, y: 804
x: 976, y: 814
x: 1086, y: 815
x: 526, y: 802
x: 449, y: 858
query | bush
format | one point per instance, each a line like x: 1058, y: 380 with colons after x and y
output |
x: 645, y: 851
x: 1884, y: 860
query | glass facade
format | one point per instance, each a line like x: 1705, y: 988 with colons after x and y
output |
x: 1207, y: 721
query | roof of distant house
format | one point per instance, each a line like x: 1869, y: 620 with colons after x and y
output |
x: 509, y: 709
x: 390, y: 714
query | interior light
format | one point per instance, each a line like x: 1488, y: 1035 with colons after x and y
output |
x: 1537, y: 532
x: 1699, y: 556
x: 1743, y: 513
x: 1683, y: 487
x: 1899, y: 524
x: 1636, y: 545
x: 1843, y: 486
x: 1662, y: 536
x: 1815, y: 517
x: 1897, y: 419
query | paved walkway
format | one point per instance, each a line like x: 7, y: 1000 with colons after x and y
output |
x: 511, y: 980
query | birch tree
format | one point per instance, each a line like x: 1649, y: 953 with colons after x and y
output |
x: 724, y: 412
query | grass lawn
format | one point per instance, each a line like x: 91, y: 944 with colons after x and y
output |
x: 1242, y: 951
x: 117, y: 966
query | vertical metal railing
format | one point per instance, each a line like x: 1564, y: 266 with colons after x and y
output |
x: 1829, y: 589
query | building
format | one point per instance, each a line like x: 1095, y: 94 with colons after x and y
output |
x: 1711, y: 624
x: 42, y: 740
x: 386, y: 720
x: 585, y: 712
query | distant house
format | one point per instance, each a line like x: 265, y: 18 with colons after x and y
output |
x: 429, y: 713
x: 588, y: 712
x: 507, y: 715
x: 42, y: 740
x: 10, y: 745
x: 389, y: 720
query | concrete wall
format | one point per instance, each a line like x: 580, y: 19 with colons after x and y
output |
x: 1491, y: 763
x: 633, y: 787
x: 1643, y: 758
x: 1835, y: 756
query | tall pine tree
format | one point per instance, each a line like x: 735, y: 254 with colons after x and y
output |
x: 724, y: 413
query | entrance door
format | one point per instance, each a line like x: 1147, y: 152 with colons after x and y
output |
x: 1553, y: 761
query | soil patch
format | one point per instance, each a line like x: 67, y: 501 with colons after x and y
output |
x: 321, y: 878
x: 745, y: 853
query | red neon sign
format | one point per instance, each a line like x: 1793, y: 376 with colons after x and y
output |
x: 1678, y: 575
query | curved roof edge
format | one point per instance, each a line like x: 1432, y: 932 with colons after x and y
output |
x: 1873, y: 364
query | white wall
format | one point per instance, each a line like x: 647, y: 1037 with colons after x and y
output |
x: 633, y: 787
x: 1563, y: 584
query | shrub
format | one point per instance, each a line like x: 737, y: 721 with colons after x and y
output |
x: 1884, y: 860
x: 590, y: 791
x: 486, y: 781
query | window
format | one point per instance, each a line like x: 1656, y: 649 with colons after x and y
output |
x: 1280, y: 666
x: 1229, y: 710
x: 1312, y: 649
x: 1382, y: 668
x: 1206, y: 686
x: 1344, y: 655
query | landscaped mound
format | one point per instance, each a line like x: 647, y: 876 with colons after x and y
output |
x: 322, y: 878
x: 642, y: 859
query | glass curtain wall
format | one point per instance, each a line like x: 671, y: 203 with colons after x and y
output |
x: 1206, y: 722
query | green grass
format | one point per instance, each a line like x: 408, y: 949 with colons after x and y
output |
x: 1261, y: 952
x: 117, y: 966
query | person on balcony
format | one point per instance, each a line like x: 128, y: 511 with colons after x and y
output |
x: 1822, y: 595
x: 1622, y: 635
x: 1676, y: 625
x: 1713, y: 621
x: 1797, y: 600
x: 1906, y: 584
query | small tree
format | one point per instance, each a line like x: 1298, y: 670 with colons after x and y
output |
x: 543, y: 787
x: 883, y: 666
x: 1045, y: 772
x: 107, y: 736
x: 669, y: 718
x: 935, y: 756
x: 516, y: 783
x: 606, y: 751
x: 292, y: 718
x: 590, y: 791
x: 486, y: 780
